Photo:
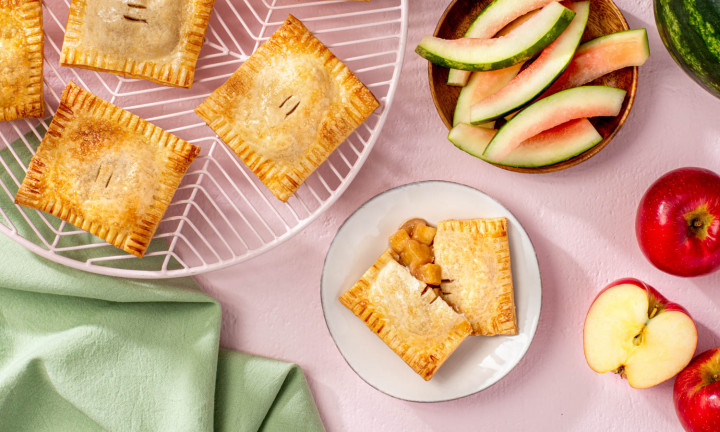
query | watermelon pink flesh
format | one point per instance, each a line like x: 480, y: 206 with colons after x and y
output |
x: 555, y: 143
x: 492, y: 23
x: 560, y: 115
x: 551, y: 62
x: 552, y: 145
x: 493, y: 20
x: 484, y: 83
x: 481, y: 85
x: 601, y: 56
x: 579, y: 102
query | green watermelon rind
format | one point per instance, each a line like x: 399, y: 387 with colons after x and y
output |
x: 613, y: 37
x: 465, y: 142
x: 444, y: 59
x: 577, y: 148
x: 694, y: 42
x: 540, y: 106
x: 460, y: 78
x: 525, y: 96
x: 467, y: 93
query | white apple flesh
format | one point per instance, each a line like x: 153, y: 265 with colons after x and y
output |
x: 634, y: 331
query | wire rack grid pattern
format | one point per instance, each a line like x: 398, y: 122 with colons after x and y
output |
x: 221, y: 213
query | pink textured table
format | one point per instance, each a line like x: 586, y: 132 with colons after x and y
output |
x: 580, y: 220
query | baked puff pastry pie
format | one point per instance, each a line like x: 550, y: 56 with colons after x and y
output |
x: 105, y: 170
x: 407, y: 315
x: 157, y: 40
x: 287, y: 108
x: 477, y: 281
x: 21, y: 59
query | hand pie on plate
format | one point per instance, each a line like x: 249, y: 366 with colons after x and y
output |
x: 157, y: 40
x: 287, y: 108
x: 475, y: 259
x: 21, y: 59
x: 407, y: 315
x: 105, y: 170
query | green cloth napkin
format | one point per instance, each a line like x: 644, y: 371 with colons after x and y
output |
x: 84, y: 352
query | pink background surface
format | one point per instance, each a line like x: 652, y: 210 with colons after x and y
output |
x: 580, y: 220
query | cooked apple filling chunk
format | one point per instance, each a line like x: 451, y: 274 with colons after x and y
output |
x: 412, y: 243
x: 416, y: 254
x: 429, y: 273
x: 424, y: 234
x: 399, y: 240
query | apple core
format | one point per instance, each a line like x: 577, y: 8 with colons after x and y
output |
x: 699, y: 222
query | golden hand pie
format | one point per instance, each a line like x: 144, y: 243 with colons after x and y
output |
x: 21, y: 59
x: 475, y: 260
x: 105, y: 170
x: 287, y: 108
x: 157, y: 40
x: 407, y: 315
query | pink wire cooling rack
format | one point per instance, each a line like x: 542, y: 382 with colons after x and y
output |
x: 221, y: 214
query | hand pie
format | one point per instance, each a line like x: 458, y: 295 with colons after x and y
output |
x: 105, y: 170
x: 21, y: 59
x: 157, y: 40
x: 287, y: 108
x: 475, y: 259
x: 407, y: 315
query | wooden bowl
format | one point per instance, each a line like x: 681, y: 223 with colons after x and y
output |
x: 604, y: 18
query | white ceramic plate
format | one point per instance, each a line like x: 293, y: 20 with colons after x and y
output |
x: 480, y: 361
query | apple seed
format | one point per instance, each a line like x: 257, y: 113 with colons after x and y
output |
x: 638, y: 339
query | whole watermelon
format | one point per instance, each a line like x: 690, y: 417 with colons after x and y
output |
x: 690, y: 30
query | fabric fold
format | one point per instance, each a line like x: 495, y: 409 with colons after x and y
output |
x: 282, y: 401
x: 84, y: 352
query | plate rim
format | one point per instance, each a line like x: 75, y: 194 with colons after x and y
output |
x: 534, y: 323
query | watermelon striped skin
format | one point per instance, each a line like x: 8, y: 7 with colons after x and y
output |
x: 691, y: 33
x: 578, y: 102
x: 480, y: 86
x: 549, y: 147
x: 492, y: 54
x: 491, y: 20
x: 539, y: 75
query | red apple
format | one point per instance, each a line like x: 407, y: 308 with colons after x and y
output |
x: 637, y: 333
x: 678, y: 222
x: 697, y: 393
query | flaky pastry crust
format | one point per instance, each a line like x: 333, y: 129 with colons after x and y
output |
x: 475, y: 259
x: 21, y: 59
x: 157, y: 40
x: 407, y: 315
x: 287, y: 108
x: 105, y: 170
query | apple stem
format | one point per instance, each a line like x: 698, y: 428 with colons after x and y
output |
x: 698, y: 221
x: 620, y: 371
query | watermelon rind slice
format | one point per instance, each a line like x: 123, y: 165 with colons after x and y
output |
x: 539, y: 75
x: 485, y: 83
x: 498, y: 53
x: 491, y: 20
x: 481, y: 85
x: 578, y: 102
x: 602, y: 55
x: 550, y: 147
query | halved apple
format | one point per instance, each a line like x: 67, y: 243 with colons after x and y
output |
x: 632, y: 330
